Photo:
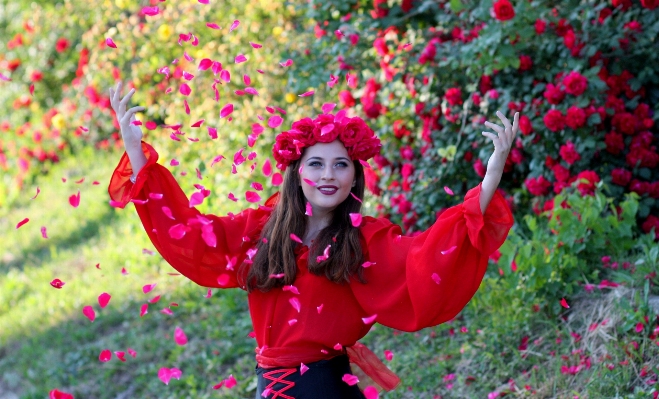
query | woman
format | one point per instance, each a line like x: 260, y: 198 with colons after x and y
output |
x: 318, y: 275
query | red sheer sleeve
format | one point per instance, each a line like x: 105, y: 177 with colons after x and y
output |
x: 412, y: 284
x: 205, y: 255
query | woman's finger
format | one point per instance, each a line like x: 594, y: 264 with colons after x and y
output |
x: 494, y: 138
x: 124, y: 101
x: 505, y: 120
x: 132, y: 111
x: 494, y: 127
x: 515, y: 124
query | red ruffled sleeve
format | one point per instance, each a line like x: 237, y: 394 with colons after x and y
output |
x: 191, y: 255
x: 401, y: 288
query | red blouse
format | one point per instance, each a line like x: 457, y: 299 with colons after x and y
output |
x: 411, y: 285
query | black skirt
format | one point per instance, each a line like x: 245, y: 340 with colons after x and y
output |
x: 323, y: 380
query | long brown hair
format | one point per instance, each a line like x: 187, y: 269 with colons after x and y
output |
x: 276, y: 254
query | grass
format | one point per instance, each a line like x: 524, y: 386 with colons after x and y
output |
x: 46, y: 342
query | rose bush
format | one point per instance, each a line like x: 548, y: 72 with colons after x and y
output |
x: 430, y: 73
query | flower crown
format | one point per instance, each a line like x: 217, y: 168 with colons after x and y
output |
x: 359, y: 139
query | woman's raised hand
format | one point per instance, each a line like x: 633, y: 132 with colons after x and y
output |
x: 131, y: 134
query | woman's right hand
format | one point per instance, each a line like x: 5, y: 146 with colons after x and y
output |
x: 131, y: 134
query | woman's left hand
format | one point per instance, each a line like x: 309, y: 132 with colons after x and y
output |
x: 502, y: 143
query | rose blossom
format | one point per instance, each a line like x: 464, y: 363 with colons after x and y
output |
x: 650, y: 4
x: 346, y: 98
x: 537, y: 186
x: 454, y: 96
x: 525, y: 125
x: 575, y: 83
x: 503, y: 10
x: 587, y: 188
x: 621, y: 176
x: 540, y: 26
x: 576, y: 117
x: 553, y: 94
x: 353, y: 131
x: 615, y: 142
x: 554, y: 120
x: 568, y: 153
x: 525, y: 63
x: 624, y: 122
x: 322, y: 121
x: 561, y: 173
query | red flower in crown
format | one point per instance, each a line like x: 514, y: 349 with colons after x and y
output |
x: 354, y: 133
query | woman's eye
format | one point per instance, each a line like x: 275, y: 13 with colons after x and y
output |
x: 314, y: 163
x: 343, y: 164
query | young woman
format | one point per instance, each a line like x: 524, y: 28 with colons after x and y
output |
x: 318, y: 275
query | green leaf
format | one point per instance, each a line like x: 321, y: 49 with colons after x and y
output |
x: 456, y: 6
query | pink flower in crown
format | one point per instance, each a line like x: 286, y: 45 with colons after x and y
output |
x: 354, y: 131
x: 284, y: 149
x: 304, y: 125
x: 326, y: 130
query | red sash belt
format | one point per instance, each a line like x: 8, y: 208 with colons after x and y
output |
x: 362, y: 357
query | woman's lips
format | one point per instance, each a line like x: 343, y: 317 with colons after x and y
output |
x: 328, y: 192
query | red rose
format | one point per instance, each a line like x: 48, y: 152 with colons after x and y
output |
x: 576, y: 117
x: 575, y: 83
x: 525, y: 125
x: 650, y: 4
x: 304, y: 125
x: 326, y: 130
x: 604, y: 14
x: 624, y: 122
x: 61, y: 45
x: 553, y: 94
x: 643, y: 139
x: 346, y: 98
x: 537, y: 186
x: 454, y: 96
x: 365, y: 148
x: 568, y: 153
x: 406, y: 6
x: 644, y: 157
x: 400, y: 130
x: 380, y: 46
x: 540, y: 26
x: 353, y: 131
x: 561, y: 173
x: 554, y: 120
x: 569, y: 39
x: 525, y: 62
x: 379, y: 9
x: 624, y: 3
x: 284, y: 149
x: 372, y: 179
x: 503, y: 10
x: 621, y: 176
x: 587, y: 188
x: 650, y: 222
x: 615, y: 143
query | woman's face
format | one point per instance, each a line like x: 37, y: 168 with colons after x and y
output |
x: 326, y: 164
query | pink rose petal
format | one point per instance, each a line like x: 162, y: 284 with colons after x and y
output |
x: 223, y: 279
x: 368, y: 264
x: 435, y: 277
x: 179, y: 337
x: 144, y: 309
x: 255, y: 45
x: 105, y: 355
x: 89, y: 313
x: 57, y: 283
x: 22, y: 222
x: 303, y: 368
x: 240, y: 58
x: 309, y: 182
x: 234, y: 25
x: 388, y: 355
x: 226, y: 110
x: 356, y: 219
x: 448, y: 190
x: 448, y: 251
x: 370, y: 319
x: 286, y: 63
x: 328, y: 107
x: 104, y: 299
x: 371, y: 392
x: 295, y: 303
x: 252, y: 196
x: 275, y: 121
x: 292, y: 321
x: 350, y: 379
x: 110, y: 42
x: 291, y: 288
x: 320, y: 308
x: 74, y: 200
x: 196, y: 198
x: 150, y: 11
x: 564, y: 303
x: 309, y: 210
x: 277, y: 179
x: 296, y: 238
x: 307, y: 93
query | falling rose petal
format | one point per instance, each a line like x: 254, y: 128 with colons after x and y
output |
x: 234, y: 25
x: 211, y: 25
x: 57, y: 283
x: 240, y: 58
x: 365, y: 164
x: 105, y: 355
x: 104, y: 299
x: 259, y: 71
x: 292, y: 321
x: 328, y: 107
x: 368, y: 264
x: 309, y: 182
x: 74, y: 200
x: 121, y: 355
x: 209, y: 293
x: 448, y: 251
x: 309, y: 210
x: 275, y: 121
x: 435, y: 277
x: 196, y: 198
x: 388, y: 355
x: 232, y: 197
x: 167, y: 311
x: 350, y: 379
x: 43, y: 232
x: 370, y: 392
x: 150, y: 11
x: 564, y: 303
x: 295, y: 303
x: 124, y: 271
x: 338, y: 347
x: 155, y: 196
x: 247, y: 80
x: 252, y: 91
x: 303, y: 368
x: 204, y: 64
x: 448, y: 190
x: 178, y: 231
x: 279, y: 275
x: 223, y: 279
x: 257, y: 186
x: 110, y: 42
x: 266, y: 168
x: 286, y: 63
x: 179, y: 337
x: 255, y: 45
x: 148, y: 287
x: 326, y: 129
x: 57, y: 394
x: 164, y: 374
x: 252, y: 196
x: 307, y: 94
x: 132, y: 352
x: 230, y: 382
x: 320, y: 308
x: 356, y: 219
x: 295, y: 238
x: 277, y: 179
x: 370, y: 319
x: 198, y: 123
x: 355, y: 197
x: 167, y: 212
x: 89, y: 313
x: 225, y: 75
x: 226, y: 110
x: 291, y: 288
x: 185, y: 89
x: 208, y: 236
x: 155, y: 299
x: 22, y: 222
x: 35, y: 195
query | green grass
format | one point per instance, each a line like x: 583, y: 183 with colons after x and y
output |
x: 46, y: 342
